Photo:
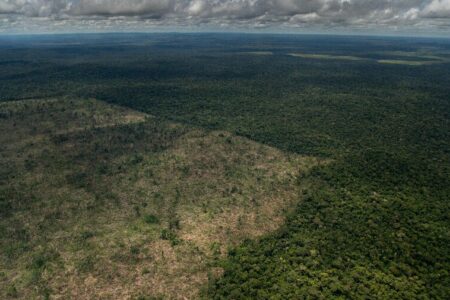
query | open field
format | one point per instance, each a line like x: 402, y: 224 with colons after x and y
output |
x: 258, y: 53
x: 325, y: 56
x: 414, y: 59
x: 420, y: 53
x: 409, y: 62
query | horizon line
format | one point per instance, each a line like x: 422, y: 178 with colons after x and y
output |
x: 343, y: 34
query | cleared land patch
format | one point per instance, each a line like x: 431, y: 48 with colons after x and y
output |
x: 409, y: 62
x: 325, y: 56
x: 99, y: 201
x: 258, y: 53
x: 424, y: 55
x: 410, y: 58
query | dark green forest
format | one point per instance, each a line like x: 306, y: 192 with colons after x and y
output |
x: 374, y: 222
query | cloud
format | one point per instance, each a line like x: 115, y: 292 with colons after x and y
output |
x: 223, y: 13
x: 7, y: 7
x: 118, y: 7
x: 437, y: 9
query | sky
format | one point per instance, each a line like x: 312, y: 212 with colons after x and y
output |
x: 409, y: 17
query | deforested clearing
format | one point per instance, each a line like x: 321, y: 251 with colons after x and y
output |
x: 108, y: 202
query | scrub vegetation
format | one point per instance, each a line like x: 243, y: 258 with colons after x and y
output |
x: 106, y: 202
x: 174, y: 166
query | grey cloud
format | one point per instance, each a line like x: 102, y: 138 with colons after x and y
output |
x: 33, y: 8
x: 437, y: 9
x: 7, y: 7
x: 118, y: 7
x: 250, y: 13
